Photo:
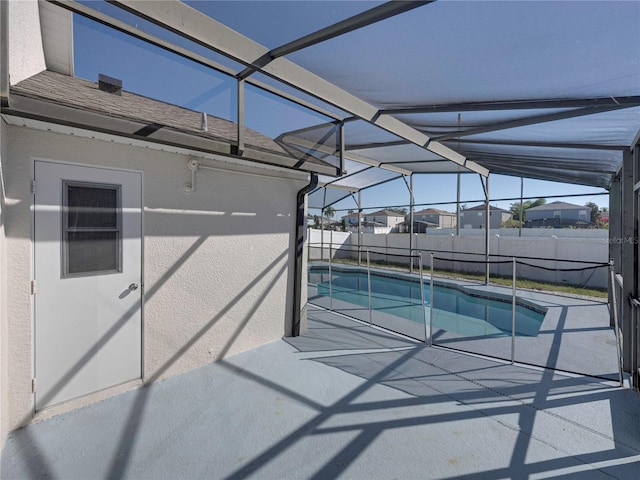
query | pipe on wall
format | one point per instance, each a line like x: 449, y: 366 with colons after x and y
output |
x: 299, y: 250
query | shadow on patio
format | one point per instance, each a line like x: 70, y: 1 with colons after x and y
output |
x: 350, y: 401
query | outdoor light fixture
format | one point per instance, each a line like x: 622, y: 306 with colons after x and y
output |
x: 194, y: 166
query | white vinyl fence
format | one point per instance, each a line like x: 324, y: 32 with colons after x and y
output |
x: 564, y: 257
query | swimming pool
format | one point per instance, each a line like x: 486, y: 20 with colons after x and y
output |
x: 456, y: 309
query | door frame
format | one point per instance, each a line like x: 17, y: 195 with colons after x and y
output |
x: 94, y: 396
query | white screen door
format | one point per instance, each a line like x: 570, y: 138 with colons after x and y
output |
x: 88, y: 272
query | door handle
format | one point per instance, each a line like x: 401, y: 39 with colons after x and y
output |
x: 133, y: 287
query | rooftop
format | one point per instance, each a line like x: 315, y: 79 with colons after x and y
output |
x: 433, y: 211
x: 385, y: 213
x: 82, y: 104
x: 483, y: 207
x: 559, y: 205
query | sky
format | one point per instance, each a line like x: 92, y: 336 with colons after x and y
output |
x: 439, y: 188
x: 152, y: 72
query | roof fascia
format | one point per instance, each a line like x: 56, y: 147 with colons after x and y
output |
x: 44, y: 111
x: 376, y: 14
x: 189, y: 23
x: 47, y: 126
x: 123, y: 27
x: 516, y: 105
x: 536, y: 119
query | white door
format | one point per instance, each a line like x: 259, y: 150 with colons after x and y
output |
x: 88, y: 273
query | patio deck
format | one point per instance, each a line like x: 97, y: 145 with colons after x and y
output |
x: 344, y: 400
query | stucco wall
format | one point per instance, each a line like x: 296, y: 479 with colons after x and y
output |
x: 26, y: 55
x: 218, y: 261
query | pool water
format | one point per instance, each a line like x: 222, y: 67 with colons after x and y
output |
x: 454, y: 309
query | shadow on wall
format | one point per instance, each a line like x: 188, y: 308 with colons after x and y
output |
x: 38, y: 465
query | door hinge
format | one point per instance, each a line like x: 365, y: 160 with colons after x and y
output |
x: 33, y: 287
x: 33, y: 187
x: 34, y: 385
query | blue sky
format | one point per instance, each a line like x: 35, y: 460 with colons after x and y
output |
x: 442, y: 188
x: 152, y: 72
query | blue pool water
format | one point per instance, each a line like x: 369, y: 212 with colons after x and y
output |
x: 454, y: 310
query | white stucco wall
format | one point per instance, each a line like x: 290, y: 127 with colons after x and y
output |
x: 26, y: 55
x: 218, y: 261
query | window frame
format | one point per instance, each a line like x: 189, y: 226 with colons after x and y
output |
x: 65, y: 229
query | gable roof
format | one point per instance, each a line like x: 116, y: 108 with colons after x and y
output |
x: 385, y: 213
x: 59, y: 98
x: 558, y: 206
x: 483, y: 207
x: 433, y: 211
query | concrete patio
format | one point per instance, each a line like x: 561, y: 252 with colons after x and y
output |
x: 345, y: 400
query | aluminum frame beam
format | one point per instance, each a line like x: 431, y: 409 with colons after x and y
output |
x: 523, y: 122
x: 376, y: 14
x: 331, y: 184
x: 628, y: 267
x: 635, y: 142
x: 349, y: 156
x: 517, y: 143
x: 516, y: 105
x: 42, y: 110
x: 526, y: 143
x: 195, y: 26
x: 123, y: 27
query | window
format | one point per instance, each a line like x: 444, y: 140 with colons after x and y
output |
x: 582, y: 214
x: 91, y: 229
x: 479, y: 214
x: 557, y: 214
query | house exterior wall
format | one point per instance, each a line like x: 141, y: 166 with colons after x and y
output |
x: 388, y: 220
x: 26, y: 55
x: 443, y: 221
x: 565, y: 214
x: 475, y: 218
x: 218, y: 262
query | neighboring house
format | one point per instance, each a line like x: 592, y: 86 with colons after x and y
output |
x: 352, y: 218
x: 381, y: 222
x: 386, y: 217
x: 419, y: 226
x: 439, y: 218
x: 558, y: 215
x: 475, y: 217
x: 370, y: 227
x: 134, y: 244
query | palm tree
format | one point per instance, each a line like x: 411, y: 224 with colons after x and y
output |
x: 329, y: 212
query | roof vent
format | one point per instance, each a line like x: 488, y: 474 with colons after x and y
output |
x: 109, y: 84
